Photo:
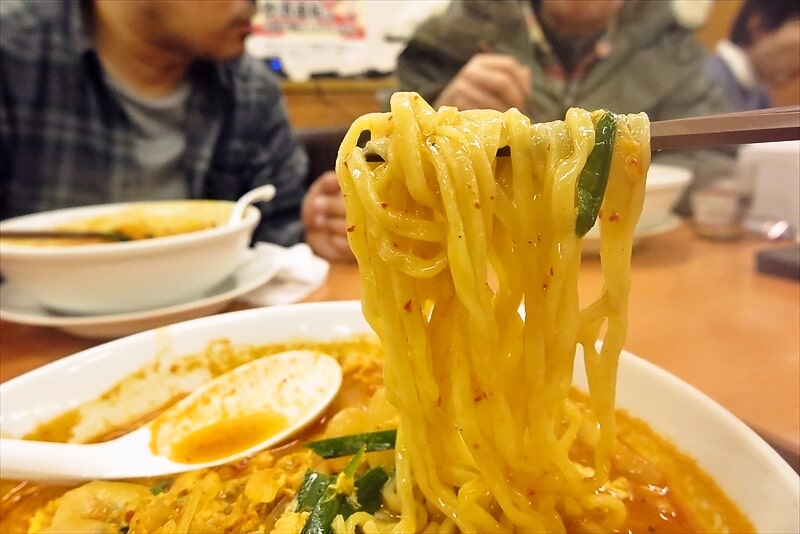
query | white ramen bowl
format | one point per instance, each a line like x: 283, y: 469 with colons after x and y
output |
x: 747, y: 469
x: 664, y: 186
x: 126, y: 276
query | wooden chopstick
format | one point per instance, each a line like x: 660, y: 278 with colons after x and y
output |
x: 737, y: 128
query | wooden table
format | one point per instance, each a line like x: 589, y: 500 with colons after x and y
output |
x: 698, y: 309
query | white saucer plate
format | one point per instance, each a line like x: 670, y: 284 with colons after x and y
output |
x: 18, y: 307
x: 591, y: 243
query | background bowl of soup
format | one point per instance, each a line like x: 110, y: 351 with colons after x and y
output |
x: 171, y: 252
x: 749, y: 472
x: 664, y: 186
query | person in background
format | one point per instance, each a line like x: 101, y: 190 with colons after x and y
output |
x: 545, y: 56
x: 761, y: 53
x: 122, y: 100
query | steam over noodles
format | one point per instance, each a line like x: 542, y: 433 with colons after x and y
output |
x: 486, y: 422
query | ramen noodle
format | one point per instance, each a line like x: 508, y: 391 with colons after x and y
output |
x: 486, y: 422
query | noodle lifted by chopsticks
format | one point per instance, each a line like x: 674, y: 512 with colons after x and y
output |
x: 486, y: 422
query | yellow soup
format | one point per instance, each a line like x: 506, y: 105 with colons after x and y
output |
x: 140, y: 221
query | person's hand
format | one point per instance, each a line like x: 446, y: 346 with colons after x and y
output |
x: 488, y: 81
x: 323, y: 218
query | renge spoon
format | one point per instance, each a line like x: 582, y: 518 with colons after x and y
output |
x: 262, y: 193
x: 252, y: 407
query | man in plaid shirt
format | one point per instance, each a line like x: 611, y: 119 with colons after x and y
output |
x: 109, y: 101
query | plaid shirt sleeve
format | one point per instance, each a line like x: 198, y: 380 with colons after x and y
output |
x: 256, y: 146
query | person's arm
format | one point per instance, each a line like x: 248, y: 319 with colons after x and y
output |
x: 281, y: 161
x: 6, y: 162
x: 5, y: 172
x: 255, y: 145
x: 425, y: 70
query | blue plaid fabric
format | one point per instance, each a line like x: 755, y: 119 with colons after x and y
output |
x: 65, y: 141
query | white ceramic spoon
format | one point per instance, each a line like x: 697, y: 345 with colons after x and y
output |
x: 263, y: 193
x: 252, y: 407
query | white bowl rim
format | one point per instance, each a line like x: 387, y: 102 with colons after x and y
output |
x: 251, y: 219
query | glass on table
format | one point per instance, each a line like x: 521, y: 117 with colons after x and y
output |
x: 720, y: 200
x: 719, y: 209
